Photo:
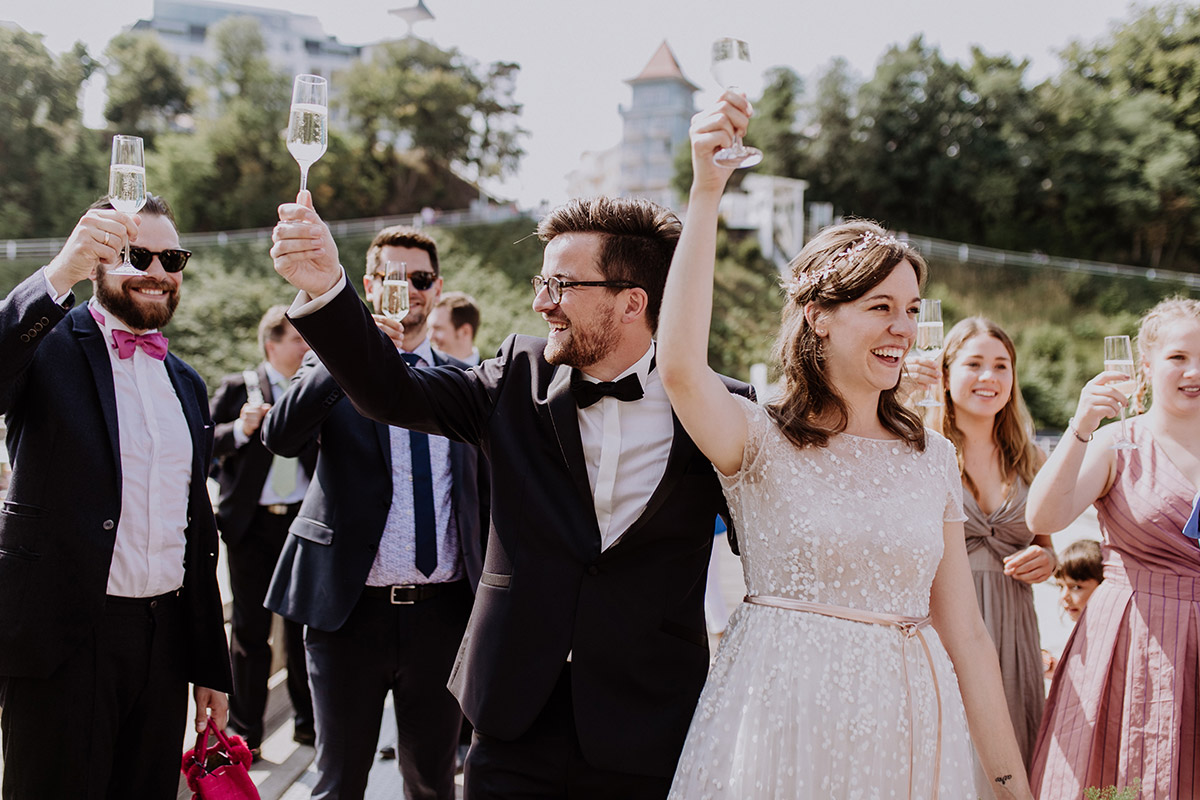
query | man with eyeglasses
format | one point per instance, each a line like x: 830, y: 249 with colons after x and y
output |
x: 586, y: 650
x: 382, y: 561
x: 109, y: 603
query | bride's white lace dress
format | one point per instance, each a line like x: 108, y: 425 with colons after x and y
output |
x: 803, y: 705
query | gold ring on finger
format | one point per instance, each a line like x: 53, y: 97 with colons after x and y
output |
x: 106, y: 235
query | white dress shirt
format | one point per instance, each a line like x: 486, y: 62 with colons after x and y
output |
x: 625, y: 445
x: 156, y: 472
x: 396, y: 560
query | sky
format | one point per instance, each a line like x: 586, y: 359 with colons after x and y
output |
x: 576, y: 56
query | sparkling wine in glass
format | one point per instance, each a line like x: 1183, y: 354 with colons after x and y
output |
x: 395, y: 290
x: 127, y: 188
x: 732, y: 69
x: 308, y: 125
x: 1118, y: 357
x: 929, y: 344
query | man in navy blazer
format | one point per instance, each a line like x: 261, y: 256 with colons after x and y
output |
x: 349, y: 569
x: 586, y: 650
x: 109, y: 603
x: 259, y: 496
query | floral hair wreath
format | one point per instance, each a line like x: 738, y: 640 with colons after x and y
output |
x: 796, y: 286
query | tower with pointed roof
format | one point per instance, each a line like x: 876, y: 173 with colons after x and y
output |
x: 655, y: 124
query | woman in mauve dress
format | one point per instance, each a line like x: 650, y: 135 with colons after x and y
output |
x: 986, y: 419
x: 1124, y: 704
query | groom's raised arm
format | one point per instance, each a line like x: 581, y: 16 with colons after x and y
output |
x: 330, y: 316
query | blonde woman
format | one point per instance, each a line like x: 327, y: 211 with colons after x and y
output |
x: 1125, y: 702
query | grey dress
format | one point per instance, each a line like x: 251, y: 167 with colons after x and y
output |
x: 1008, y: 613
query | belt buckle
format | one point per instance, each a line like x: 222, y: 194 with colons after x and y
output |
x: 396, y: 602
x: 278, y: 509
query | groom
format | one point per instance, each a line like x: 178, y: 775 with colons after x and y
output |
x: 586, y: 650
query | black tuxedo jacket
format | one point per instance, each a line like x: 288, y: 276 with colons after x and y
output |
x: 632, y: 616
x: 241, y: 471
x: 59, y: 523
x: 333, y: 540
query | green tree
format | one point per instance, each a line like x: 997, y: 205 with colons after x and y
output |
x: 415, y: 96
x: 52, y: 166
x: 146, y: 90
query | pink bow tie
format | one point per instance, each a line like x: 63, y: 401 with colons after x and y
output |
x: 152, y: 344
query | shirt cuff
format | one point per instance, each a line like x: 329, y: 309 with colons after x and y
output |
x: 305, y: 304
x: 239, y: 435
x: 58, y: 298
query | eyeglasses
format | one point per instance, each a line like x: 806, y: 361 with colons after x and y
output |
x: 171, y: 260
x: 421, y: 281
x: 554, y: 286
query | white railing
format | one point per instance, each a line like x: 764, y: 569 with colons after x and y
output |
x: 46, y: 249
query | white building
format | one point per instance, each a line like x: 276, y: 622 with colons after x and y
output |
x: 655, y: 127
x: 295, y: 43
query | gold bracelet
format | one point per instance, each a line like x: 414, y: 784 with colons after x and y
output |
x: 1075, y: 431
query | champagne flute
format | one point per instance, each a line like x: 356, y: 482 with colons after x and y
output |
x: 929, y: 344
x: 127, y: 188
x: 731, y: 67
x: 1118, y: 357
x: 395, y: 290
x: 308, y: 125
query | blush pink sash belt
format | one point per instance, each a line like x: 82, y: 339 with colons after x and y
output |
x: 910, y: 628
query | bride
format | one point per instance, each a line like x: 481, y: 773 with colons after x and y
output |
x: 859, y: 656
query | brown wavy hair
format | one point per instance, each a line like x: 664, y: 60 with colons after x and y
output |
x: 1011, y: 429
x: 839, y: 265
x: 1149, y: 330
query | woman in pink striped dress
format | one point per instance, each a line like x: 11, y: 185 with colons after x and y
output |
x: 1124, y: 703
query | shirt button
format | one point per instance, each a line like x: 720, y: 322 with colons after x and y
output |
x: 108, y: 525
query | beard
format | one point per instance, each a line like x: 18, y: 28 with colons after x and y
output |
x: 116, y: 295
x: 583, y: 347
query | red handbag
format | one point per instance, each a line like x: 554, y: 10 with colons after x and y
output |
x: 220, y: 772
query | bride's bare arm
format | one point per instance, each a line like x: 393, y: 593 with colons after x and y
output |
x: 955, y: 612
x: 704, y: 406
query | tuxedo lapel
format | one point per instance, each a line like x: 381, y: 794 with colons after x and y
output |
x: 95, y: 350
x: 565, y: 417
x: 264, y: 382
x: 384, y: 435
x: 191, y: 411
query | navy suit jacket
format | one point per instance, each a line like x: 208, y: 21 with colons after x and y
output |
x: 631, y: 616
x: 59, y: 522
x: 242, y: 471
x: 331, y: 544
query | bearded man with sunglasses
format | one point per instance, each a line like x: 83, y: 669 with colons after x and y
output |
x: 109, y: 603
x: 382, y: 561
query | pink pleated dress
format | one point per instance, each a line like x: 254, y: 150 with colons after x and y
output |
x: 1124, y: 700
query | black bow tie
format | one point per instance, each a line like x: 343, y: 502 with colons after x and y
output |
x: 586, y: 392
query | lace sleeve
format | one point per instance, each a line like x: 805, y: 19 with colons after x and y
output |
x: 758, y: 423
x: 944, y: 449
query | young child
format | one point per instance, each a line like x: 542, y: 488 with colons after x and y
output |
x: 1078, y: 574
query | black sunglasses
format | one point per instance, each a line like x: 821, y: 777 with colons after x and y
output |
x: 171, y: 260
x: 421, y: 281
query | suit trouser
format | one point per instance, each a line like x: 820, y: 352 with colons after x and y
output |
x: 547, y: 762
x: 409, y: 650
x: 251, y: 563
x: 110, y: 721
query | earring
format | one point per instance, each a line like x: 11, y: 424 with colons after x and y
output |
x: 820, y: 332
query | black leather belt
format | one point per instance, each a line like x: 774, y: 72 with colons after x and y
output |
x: 408, y: 594
x: 113, y: 601
x: 281, y: 509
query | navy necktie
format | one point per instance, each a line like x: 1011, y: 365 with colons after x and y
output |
x: 422, y: 483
